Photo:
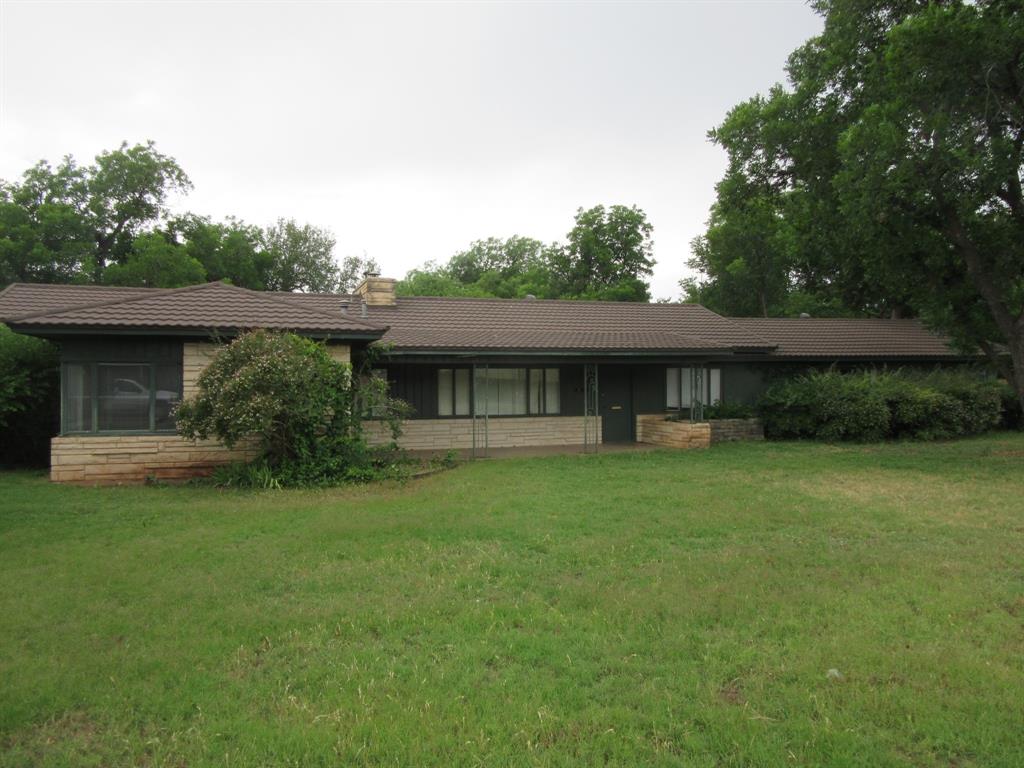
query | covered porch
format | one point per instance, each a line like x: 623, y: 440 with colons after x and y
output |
x: 477, y: 405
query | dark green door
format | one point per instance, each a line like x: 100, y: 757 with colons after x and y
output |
x: 615, y: 394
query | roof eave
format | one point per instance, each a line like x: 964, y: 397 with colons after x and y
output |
x: 182, y: 331
x: 533, y: 351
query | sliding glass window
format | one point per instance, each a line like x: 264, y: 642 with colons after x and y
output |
x: 119, y: 397
x: 499, y: 391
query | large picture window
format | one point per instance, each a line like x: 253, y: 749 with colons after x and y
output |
x: 498, y: 391
x: 119, y: 397
x: 679, y: 387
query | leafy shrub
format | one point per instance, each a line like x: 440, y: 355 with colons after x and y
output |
x: 302, y: 407
x: 29, y: 391
x: 729, y: 411
x: 876, y: 405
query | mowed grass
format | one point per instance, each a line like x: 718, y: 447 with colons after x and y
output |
x: 635, y: 609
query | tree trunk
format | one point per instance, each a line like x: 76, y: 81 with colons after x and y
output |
x: 1011, y: 327
x: 1017, y: 362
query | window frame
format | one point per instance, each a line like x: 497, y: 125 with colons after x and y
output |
x: 544, y: 411
x: 528, y: 380
x: 454, y: 392
x: 93, y: 366
x: 707, y: 379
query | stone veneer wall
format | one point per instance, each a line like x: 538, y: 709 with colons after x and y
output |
x: 115, y: 459
x: 656, y: 430
x: 728, y: 430
x: 502, y: 432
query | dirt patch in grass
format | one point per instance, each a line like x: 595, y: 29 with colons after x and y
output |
x: 72, y: 736
x: 732, y: 693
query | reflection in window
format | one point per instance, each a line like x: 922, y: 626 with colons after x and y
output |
x: 125, y: 397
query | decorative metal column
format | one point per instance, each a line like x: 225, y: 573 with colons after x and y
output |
x: 591, y: 422
x: 697, y: 393
x: 479, y: 422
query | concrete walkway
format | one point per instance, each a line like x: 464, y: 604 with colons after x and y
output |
x: 542, y: 450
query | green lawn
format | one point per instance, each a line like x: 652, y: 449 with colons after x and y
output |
x: 633, y: 609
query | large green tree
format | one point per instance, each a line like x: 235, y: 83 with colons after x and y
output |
x: 68, y: 222
x: 109, y: 222
x: 302, y: 257
x: 156, y: 261
x: 607, y: 255
x: 352, y: 270
x: 890, y: 172
x: 505, y: 268
x: 229, y: 251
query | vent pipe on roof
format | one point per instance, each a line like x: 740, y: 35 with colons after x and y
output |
x: 362, y: 309
x: 530, y: 297
x: 344, y: 306
x: 804, y: 314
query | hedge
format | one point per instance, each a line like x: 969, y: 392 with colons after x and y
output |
x: 29, y: 408
x: 868, y: 406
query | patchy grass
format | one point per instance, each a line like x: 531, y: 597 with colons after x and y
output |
x: 651, y: 608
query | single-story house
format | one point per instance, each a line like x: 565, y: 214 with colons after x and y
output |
x: 479, y: 373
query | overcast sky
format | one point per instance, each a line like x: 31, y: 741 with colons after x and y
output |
x: 409, y: 130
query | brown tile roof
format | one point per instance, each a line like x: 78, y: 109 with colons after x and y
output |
x: 428, y: 324
x: 423, y: 323
x: 23, y: 299
x: 200, y: 308
x: 848, y: 338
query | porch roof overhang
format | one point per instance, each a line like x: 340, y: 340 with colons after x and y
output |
x: 183, y: 332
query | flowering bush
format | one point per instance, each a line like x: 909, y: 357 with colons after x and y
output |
x: 302, y: 406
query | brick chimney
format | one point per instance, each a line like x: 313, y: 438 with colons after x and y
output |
x: 377, y: 291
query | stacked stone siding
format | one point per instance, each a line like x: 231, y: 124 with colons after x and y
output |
x: 117, y: 459
x: 728, y: 430
x: 502, y: 432
x: 656, y: 430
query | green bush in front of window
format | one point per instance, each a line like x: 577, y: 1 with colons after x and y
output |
x: 303, y: 408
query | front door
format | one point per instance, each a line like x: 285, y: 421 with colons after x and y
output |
x: 615, y: 394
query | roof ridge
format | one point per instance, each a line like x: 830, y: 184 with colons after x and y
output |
x: 111, y: 302
x: 767, y: 343
x: 514, y: 300
x: 276, y: 297
x: 153, y: 293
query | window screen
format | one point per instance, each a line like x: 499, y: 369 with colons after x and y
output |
x: 462, y: 391
x: 77, y: 411
x: 122, y: 395
x: 502, y: 392
x: 168, y: 395
x: 552, y: 391
x: 453, y: 392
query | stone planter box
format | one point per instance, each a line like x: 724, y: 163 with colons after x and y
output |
x: 728, y: 430
x: 655, y: 429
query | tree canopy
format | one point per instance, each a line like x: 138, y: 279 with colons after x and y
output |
x: 109, y: 222
x: 607, y: 255
x: 885, y: 180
